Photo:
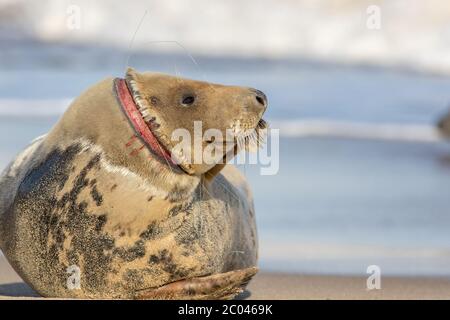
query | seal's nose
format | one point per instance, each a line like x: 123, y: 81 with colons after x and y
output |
x: 261, y: 98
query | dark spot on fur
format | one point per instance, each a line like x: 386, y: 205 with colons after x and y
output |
x: 175, y: 210
x: 59, y: 235
x: 82, y: 206
x: 186, y: 208
x: 151, y: 232
x: 131, y: 253
x: 153, y: 259
x: 101, y: 221
x: 93, y: 182
x: 154, y: 100
x: 164, y: 259
x: 62, y: 181
x: 113, y: 187
x: 150, y: 198
x: 98, y: 198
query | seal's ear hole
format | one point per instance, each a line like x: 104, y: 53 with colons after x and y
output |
x: 154, y: 100
x: 188, y: 100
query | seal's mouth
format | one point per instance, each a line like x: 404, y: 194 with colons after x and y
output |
x: 141, y: 121
x: 250, y: 138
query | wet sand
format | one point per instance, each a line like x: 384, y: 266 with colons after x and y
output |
x: 289, y: 286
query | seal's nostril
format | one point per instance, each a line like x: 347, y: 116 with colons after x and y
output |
x: 260, y: 97
x: 260, y: 100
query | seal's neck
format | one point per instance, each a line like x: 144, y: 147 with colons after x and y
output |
x: 162, y: 170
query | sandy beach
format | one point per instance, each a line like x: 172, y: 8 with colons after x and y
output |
x: 289, y: 286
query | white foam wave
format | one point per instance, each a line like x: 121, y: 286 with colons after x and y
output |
x: 413, y: 33
x: 33, y: 108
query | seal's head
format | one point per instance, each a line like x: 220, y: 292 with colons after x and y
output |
x: 201, y: 114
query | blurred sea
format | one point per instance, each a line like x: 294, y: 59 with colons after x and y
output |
x: 412, y: 33
x: 337, y: 205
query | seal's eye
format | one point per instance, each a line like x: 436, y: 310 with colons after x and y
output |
x: 188, y: 100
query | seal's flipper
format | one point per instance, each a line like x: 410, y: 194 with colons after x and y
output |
x: 217, y: 286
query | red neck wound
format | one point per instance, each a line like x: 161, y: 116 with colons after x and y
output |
x: 139, y: 125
